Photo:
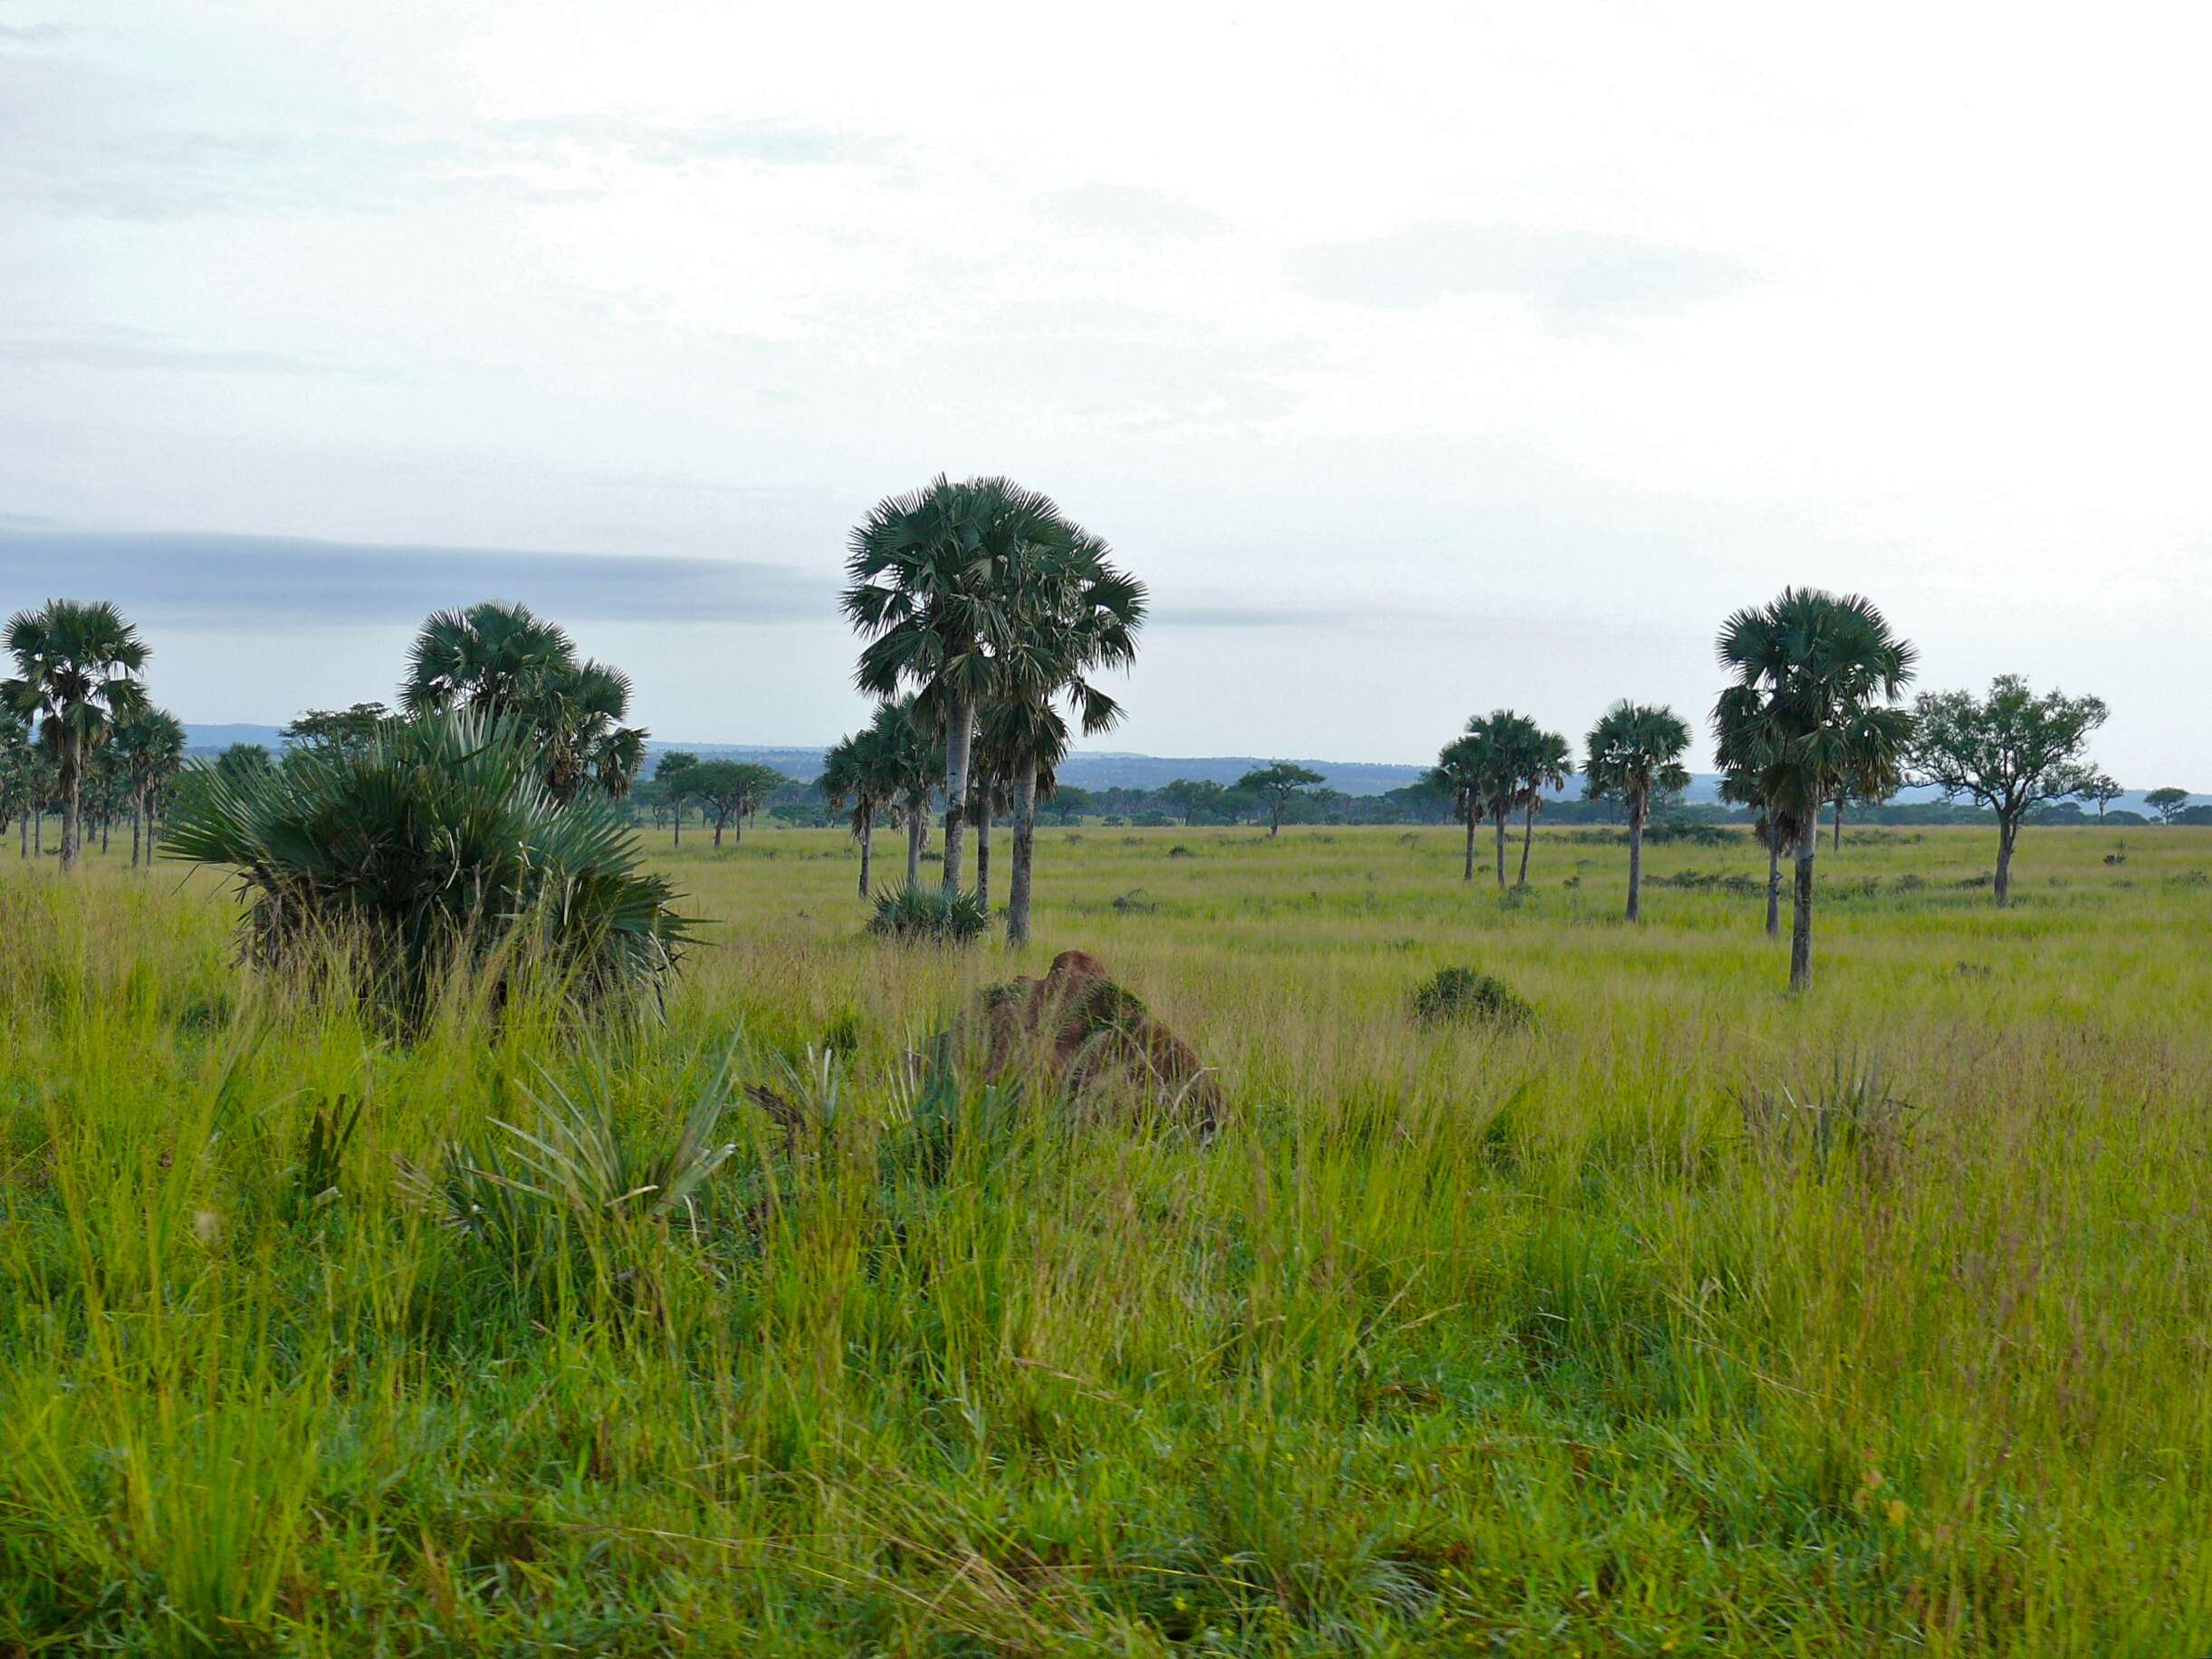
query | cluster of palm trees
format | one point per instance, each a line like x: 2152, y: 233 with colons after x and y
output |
x: 984, y: 608
x: 78, y: 729
x: 1811, y: 716
x: 505, y: 663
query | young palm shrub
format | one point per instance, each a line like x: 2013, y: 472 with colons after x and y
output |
x: 435, y: 849
x: 573, y: 1194
x: 916, y: 914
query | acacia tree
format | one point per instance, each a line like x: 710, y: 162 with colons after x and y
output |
x: 1811, y: 711
x: 2169, y: 803
x: 2011, y: 752
x: 2103, y: 789
x: 932, y: 580
x: 1279, y: 785
x: 349, y: 731
x: 730, y: 790
x: 76, y: 675
x: 1635, y: 751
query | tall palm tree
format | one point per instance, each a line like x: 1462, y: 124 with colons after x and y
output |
x: 1459, y: 772
x: 931, y: 577
x: 76, y: 674
x: 487, y: 658
x: 1076, y: 614
x: 504, y: 660
x: 859, y: 772
x: 1812, y: 711
x: 149, y: 748
x: 913, y: 765
x: 19, y: 776
x: 1545, y: 760
x: 1501, y: 753
x: 1635, y: 751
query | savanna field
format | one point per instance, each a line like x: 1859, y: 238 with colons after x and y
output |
x: 1688, y: 1317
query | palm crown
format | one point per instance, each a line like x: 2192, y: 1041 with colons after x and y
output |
x: 1634, y: 752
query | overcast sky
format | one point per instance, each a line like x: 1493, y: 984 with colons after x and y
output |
x: 1423, y: 360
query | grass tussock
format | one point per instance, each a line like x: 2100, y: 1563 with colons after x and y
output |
x: 1696, y: 1318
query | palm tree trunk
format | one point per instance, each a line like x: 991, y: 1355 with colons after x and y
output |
x: 959, y: 742
x: 867, y: 851
x: 72, y: 806
x: 1025, y: 853
x: 1468, y: 874
x: 679, y: 820
x: 1635, y: 862
x: 1528, y: 834
x: 106, y: 818
x: 1501, y: 851
x: 137, y: 815
x: 22, y: 833
x: 1839, y: 823
x: 1801, y: 910
x: 982, y: 849
x: 1774, y: 889
x: 2008, y: 831
x: 917, y: 822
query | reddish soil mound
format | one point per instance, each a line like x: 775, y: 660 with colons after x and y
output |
x: 1093, y: 1038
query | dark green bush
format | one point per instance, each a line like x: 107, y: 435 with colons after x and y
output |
x: 433, y: 848
x: 1464, y: 995
x: 929, y: 915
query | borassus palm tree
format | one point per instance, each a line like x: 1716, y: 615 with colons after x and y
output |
x: 913, y: 765
x: 1545, y: 760
x: 76, y: 675
x: 505, y: 661
x: 858, y: 773
x: 932, y: 581
x: 486, y: 657
x: 1501, y: 751
x: 1634, y: 752
x: 1075, y: 614
x: 149, y: 748
x: 1811, y: 713
x: 1460, y: 771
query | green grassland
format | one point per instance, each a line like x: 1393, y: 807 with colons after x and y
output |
x: 1578, y: 1338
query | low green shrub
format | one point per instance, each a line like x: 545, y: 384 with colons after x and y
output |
x: 1464, y: 995
x: 432, y: 850
x: 929, y: 915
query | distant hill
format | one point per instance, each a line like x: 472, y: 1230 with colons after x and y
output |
x: 1086, y: 769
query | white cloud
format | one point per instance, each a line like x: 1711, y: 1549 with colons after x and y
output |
x: 1555, y: 334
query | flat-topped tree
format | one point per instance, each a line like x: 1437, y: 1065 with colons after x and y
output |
x: 2103, y: 789
x: 2169, y: 803
x: 1811, y: 713
x: 671, y: 771
x: 731, y: 791
x: 2011, y: 752
x: 1634, y: 752
x: 76, y: 675
x: 1279, y: 785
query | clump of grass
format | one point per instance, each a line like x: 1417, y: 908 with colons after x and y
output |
x: 1460, y: 996
x: 924, y: 914
x: 1851, y: 1114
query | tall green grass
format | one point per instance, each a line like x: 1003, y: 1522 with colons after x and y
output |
x: 1559, y: 1338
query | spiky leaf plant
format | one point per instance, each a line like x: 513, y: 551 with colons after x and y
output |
x: 435, y: 848
x: 932, y: 915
